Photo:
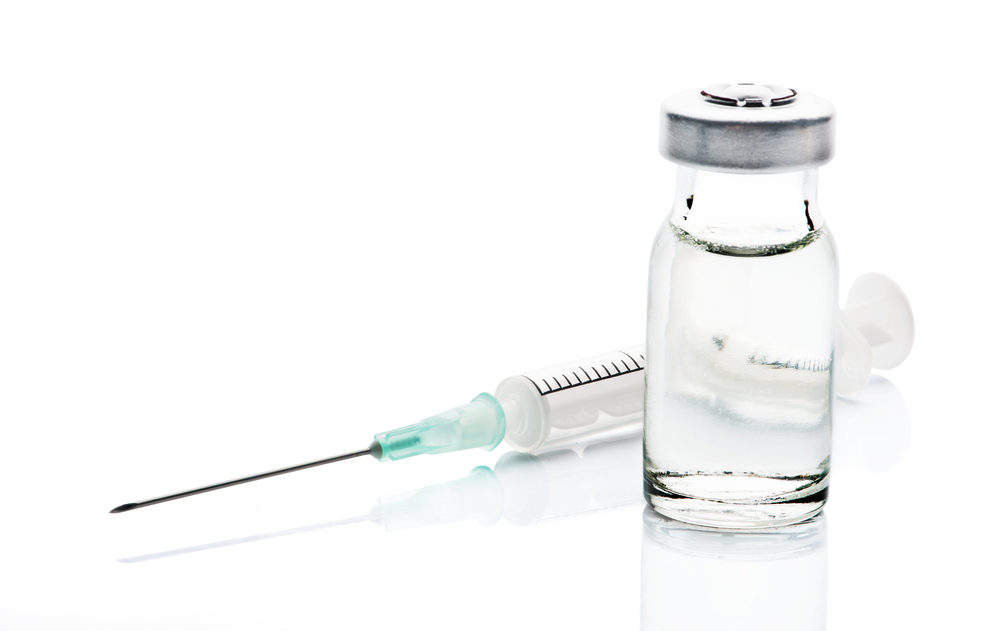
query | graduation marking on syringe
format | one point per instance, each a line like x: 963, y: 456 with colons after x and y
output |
x: 559, y: 386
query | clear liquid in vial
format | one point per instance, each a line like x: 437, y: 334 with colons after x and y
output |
x: 738, y: 394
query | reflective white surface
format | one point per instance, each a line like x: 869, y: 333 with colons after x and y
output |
x: 237, y: 236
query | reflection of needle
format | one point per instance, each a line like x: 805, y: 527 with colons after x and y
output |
x: 372, y: 516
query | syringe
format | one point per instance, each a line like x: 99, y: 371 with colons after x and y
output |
x: 540, y: 409
x: 601, y: 397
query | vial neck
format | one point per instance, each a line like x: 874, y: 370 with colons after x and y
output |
x: 746, y: 210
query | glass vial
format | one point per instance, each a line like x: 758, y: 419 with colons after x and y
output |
x: 742, y: 312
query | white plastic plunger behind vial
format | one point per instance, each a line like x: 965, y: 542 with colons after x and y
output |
x: 875, y: 331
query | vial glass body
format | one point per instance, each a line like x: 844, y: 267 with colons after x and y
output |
x: 740, y: 340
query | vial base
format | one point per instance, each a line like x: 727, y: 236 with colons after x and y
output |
x: 782, y: 510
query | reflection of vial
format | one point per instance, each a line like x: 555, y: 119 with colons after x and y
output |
x: 742, y: 312
x: 770, y: 579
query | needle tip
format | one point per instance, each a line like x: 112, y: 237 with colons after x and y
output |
x: 123, y: 508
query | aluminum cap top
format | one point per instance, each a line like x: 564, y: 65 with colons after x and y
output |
x: 746, y: 127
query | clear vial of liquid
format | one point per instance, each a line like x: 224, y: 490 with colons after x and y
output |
x: 742, y: 312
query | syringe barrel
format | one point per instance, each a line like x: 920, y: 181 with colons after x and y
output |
x: 601, y: 397
x: 582, y: 400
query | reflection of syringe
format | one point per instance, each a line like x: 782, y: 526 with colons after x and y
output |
x: 601, y: 398
x: 522, y: 489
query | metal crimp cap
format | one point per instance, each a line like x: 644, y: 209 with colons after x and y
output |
x: 747, y: 127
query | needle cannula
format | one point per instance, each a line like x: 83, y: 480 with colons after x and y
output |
x: 251, y: 478
x: 479, y: 423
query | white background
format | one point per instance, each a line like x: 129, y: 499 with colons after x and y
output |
x: 235, y: 236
